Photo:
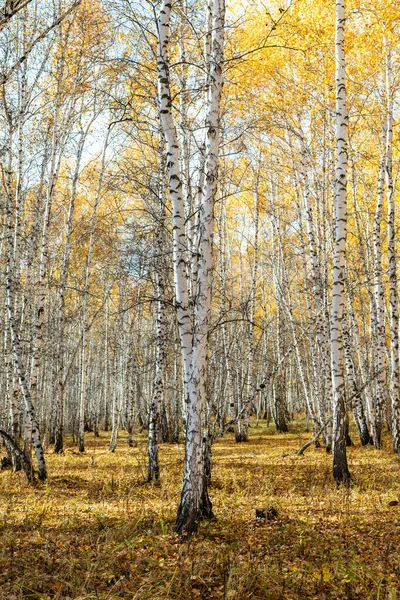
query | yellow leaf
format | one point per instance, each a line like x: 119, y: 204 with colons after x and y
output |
x: 326, y: 573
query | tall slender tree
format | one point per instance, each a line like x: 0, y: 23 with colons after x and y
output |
x: 341, y: 472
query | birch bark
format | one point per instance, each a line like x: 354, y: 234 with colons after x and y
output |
x: 252, y: 311
x: 379, y: 292
x: 357, y: 403
x: 157, y: 401
x: 60, y: 358
x: 85, y: 321
x: 195, y: 503
x: 185, y: 326
x: 158, y: 395
x: 324, y: 403
x: 341, y: 472
x: 15, y: 337
x: 194, y: 335
x: 393, y: 293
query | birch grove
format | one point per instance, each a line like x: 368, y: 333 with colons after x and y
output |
x: 199, y: 231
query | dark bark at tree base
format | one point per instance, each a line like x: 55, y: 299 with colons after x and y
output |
x: 13, y: 459
x: 349, y: 442
x: 58, y: 442
x: 153, y: 471
x: 113, y: 442
x: 207, y: 511
x: 281, y: 423
x: 188, y: 518
x: 153, y: 474
x: 6, y: 463
x: 164, y: 428
x: 342, y: 476
x: 130, y: 436
x: 13, y: 447
x: 378, y: 438
x: 341, y: 473
x: 241, y: 437
x: 282, y: 429
x: 365, y: 438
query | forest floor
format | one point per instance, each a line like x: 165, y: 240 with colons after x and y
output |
x: 96, y: 530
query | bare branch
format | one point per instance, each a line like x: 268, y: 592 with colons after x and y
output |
x: 10, y: 9
x: 6, y: 76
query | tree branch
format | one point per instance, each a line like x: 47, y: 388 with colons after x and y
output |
x: 6, y: 76
x: 10, y: 9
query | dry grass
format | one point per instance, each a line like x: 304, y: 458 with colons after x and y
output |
x: 100, y: 532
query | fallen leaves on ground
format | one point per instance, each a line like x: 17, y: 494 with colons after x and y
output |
x: 101, y: 532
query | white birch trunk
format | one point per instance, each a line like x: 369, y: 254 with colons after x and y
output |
x: 393, y: 293
x: 226, y: 342
x: 114, y: 394
x: 341, y: 472
x: 57, y: 141
x: 324, y: 403
x: 15, y: 339
x: 60, y: 359
x: 185, y: 326
x: 158, y: 398
x: 316, y: 406
x: 357, y: 403
x: 379, y: 292
x: 85, y: 321
x: 195, y: 503
x: 252, y: 311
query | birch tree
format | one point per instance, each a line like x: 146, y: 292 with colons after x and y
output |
x: 341, y: 472
x: 194, y: 335
x: 393, y: 281
x: 85, y: 316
